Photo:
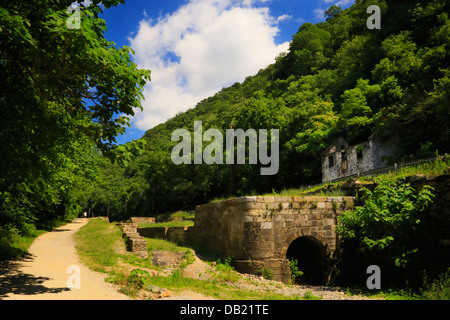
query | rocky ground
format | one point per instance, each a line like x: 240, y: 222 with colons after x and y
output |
x: 199, y: 269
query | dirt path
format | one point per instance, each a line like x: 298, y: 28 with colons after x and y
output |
x: 45, y: 273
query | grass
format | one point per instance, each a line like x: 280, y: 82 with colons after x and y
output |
x: 177, y: 219
x: 159, y: 244
x: 17, y: 248
x: 171, y: 224
x: 438, y: 289
x: 216, y: 288
x: 14, y: 246
x: 314, y: 191
x: 431, y: 169
x: 394, y: 295
x: 97, y: 243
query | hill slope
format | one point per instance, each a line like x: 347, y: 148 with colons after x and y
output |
x: 338, y: 79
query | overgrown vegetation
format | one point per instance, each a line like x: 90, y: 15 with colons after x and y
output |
x: 295, y: 270
x: 388, y: 221
x: 338, y: 79
x: 57, y: 150
x: 15, y: 246
x: 439, y: 289
x: 99, y: 243
x: 429, y: 169
x: 391, y: 230
x: 62, y: 92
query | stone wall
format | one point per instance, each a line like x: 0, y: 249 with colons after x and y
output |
x: 178, y: 235
x: 372, y: 155
x: 133, y: 241
x: 137, y: 220
x: 257, y: 231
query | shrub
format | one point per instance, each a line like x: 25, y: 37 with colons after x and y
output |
x: 137, y: 277
x: 266, y: 273
x: 387, y: 221
x: 295, y: 271
x: 438, y: 289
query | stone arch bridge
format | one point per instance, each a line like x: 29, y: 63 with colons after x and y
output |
x: 261, y: 234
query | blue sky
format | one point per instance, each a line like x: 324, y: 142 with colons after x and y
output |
x: 194, y: 48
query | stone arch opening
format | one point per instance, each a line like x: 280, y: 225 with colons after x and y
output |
x: 311, y: 256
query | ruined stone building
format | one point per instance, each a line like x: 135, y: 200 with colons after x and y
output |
x: 341, y: 160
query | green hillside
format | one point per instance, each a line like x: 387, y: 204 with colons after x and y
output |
x: 60, y: 102
x: 338, y: 79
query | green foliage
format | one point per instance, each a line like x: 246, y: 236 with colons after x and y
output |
x: 266, y: 273
x: 97, y: 242
x: 136, y: 279
x: 388, y: 220
x: 62, y: 92
x: 224, y: 264
x: 338, y: 79
x: 309, y: 296
x: 438, y: 289
x: 295, y: 270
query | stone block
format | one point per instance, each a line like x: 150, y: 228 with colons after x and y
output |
x: 276, y: 269
x: 248, y: 199
x: 273, y: 206
x: 321, y: 205
x: 286, y: 205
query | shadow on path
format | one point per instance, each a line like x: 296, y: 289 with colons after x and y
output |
x: 14, y: 281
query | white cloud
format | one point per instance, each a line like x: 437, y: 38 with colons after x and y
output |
x: 339, y: 3
x: 284, y: 17
x: 319, y: 13
x: 343, y: 2
x: 199, y: 49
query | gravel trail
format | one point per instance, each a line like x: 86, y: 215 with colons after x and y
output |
x: 51, y: 268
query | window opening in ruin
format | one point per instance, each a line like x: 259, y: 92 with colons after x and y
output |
x: 344, y: 161
x: 310, y: 256
x: 331, y: 161
x: 359, y: 155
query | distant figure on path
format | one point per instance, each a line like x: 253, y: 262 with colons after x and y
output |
x: 85, y: 214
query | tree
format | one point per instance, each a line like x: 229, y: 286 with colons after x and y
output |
x: 332, y: 12
x: 310, y: 48
x: 338, y: 79
x: 65, y: 94
x: 356, y: 115
x: 72, y: 74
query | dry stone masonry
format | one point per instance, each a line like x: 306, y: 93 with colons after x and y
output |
x: 259, y: 233
x: 138, y: 220
x: 178, y: 235
x: 256, y: 232
x: 134, y: 241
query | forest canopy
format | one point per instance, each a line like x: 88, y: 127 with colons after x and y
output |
x: 66, y: 94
